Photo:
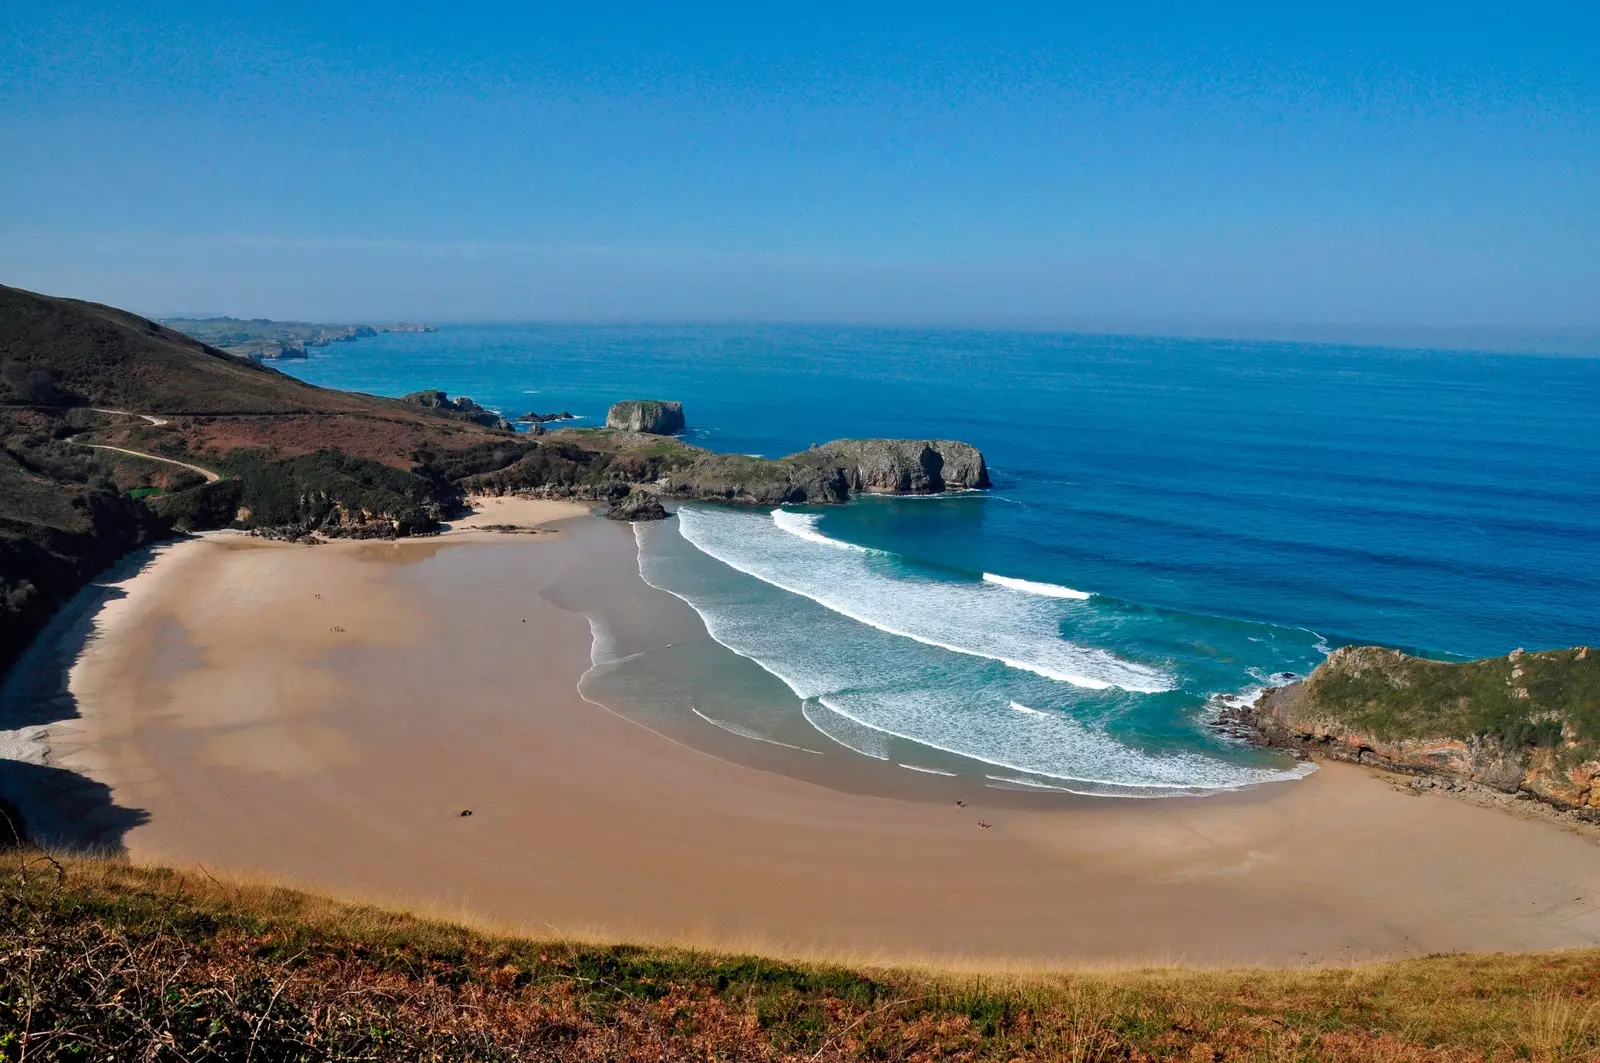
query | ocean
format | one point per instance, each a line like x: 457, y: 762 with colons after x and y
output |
x: 1172, y: 522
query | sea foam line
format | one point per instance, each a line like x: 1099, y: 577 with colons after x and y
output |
x: 1028, y: 586
x: 745, y: 732
x: 1119, y: 787
x: 804, y: 526
x: 710, y: 621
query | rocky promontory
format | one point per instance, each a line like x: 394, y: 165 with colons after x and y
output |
x: 646, y: 415
x: 907, y: 466
x: 606, y: 464
x: 1527, y: 723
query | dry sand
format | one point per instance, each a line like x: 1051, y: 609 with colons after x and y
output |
x: 322, y: 716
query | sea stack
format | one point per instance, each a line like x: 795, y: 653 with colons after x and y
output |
x: 646, y: 415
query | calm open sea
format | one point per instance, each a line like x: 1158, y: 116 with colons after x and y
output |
x: 1171, y: 520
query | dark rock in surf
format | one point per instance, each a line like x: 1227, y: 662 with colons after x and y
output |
x: 640, y: 505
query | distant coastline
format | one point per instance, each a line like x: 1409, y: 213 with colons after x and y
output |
x: 262, y: 339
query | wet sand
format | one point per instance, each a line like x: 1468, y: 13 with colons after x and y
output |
x: 321, y: 716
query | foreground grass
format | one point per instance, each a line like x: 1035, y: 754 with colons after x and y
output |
x: 105, y: 961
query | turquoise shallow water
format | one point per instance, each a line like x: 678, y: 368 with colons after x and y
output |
x: 1171, y: 520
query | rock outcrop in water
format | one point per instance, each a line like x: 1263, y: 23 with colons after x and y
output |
x: 1528, y: 723
x: 646, y: 415
x: 833, y: 472
x: 463, y: 407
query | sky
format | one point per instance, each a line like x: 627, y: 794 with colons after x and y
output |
x: 1431, y: 169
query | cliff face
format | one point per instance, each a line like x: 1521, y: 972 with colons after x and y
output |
x: 907, y: 466
x: 1528, y: 722
x: 646, y: 415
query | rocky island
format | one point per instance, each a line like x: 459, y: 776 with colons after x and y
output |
x: 1527, y: 723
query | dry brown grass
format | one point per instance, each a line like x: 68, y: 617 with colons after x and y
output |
x: 117, y: 962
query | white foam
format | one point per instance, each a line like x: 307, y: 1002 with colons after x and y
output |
x: 1017, y: 706
x: 602, y: 644
x: 1029, y: 783
x: 929, y: 771
x: 1060, y: 749
x: 1028, y: 586
x: 755, y: 736
x: 978, y: 619
x: 804, y: 526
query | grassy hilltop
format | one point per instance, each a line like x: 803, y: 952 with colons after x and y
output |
x: 114, y: 962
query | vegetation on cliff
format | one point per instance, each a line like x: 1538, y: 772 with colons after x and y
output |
x: 109, y: 961
x: 1526, y: 722
x: 1548, y: 698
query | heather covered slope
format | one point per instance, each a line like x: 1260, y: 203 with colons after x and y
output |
x: 107, y: 961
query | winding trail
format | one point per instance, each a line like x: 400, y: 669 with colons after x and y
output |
x: 211, y: 477
x: 157, y: 421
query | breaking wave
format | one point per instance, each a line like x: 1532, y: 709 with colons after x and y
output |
x: 1028, y: 586
x: 979, y: 619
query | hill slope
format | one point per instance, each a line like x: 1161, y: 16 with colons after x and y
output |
x: 287, y: 453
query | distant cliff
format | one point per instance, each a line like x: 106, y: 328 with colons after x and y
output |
x: 1528, y: 722
x: 262, y: 339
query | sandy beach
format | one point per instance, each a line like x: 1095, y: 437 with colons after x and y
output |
x: 323, y: 715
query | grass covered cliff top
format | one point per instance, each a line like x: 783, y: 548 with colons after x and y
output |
x: 111, y: 961
x: 1548, y: 698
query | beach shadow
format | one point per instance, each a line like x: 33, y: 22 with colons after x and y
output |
x: 61, y: 808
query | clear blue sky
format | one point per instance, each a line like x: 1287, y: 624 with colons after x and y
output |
x: 1386, y: 164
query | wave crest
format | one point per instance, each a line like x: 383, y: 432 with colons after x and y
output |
x: 1028, y: 586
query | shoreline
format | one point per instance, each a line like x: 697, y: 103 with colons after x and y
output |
x: 227, y: 724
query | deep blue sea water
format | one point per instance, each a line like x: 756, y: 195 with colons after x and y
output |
x: 1192, y: 517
